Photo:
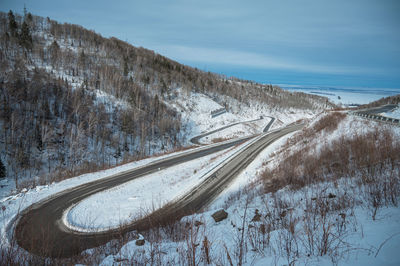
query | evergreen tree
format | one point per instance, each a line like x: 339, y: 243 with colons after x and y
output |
x: 38, y: 137
x: 12, y: 24
x: 126, y: 67
x: 2, y: 170
x: 25, y: 36
x: 54, y: 52
x: 82, y: 60
x: 164, y: 87
x: 29, y: 18
x: 156, y: 105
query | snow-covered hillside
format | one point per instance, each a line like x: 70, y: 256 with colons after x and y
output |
x: 196, y: 109
x: 353, y: 237
x: 75, y: 103
x: 95, y: 102
x: 346, y: 234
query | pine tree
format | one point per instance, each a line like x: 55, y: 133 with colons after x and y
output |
x: 164, y: 87
x: 25, y: 36
x: 54, y: 52
x: 82, y: 60
x: 12, y: 24
x: 38, y: 137
x: 126, y: 67
x: 2, y: 170
x: 156, y: 105
x: 29, y: 18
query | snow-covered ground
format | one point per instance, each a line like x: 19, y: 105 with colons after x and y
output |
x: 196, y: 108
x: 235, y: 131
x: 377, y: 244
x: 394, y: 113
x: 357, y: 239
x: 123, y: 204
x: 367, y: 241
x: 11, y: 205
x: 251, y: 173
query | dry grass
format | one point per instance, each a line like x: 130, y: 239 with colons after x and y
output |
x: 370, y: 154
x: 216, y: 140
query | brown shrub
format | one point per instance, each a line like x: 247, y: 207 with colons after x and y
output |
x: 374, y: 154
x: 329, y: 122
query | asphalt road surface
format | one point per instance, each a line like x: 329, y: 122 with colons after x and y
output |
x: 377, y: 110
x: 40, y: 230
x: 375, y: 114
x: 269, y: 124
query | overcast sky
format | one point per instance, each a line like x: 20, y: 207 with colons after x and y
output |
x: 330, y: 43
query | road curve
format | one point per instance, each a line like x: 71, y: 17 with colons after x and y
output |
x: 196, y: 139
x: 36, y: 229
x: 375, y: 113
x: 40, y: 230
x: 269, y: 124
x: 379, y: 109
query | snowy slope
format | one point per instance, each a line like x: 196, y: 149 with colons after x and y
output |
x: 360, y: 239
x: 196, y: 108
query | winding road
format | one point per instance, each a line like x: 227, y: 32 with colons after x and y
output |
x: 374, y: 113
x: 378, y: 110
x: 40, y: 229
x: 196, y: 139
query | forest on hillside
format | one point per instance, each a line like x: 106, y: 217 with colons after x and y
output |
x: 74, y: 101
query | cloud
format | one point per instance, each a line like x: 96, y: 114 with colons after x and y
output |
x: 254, y: 60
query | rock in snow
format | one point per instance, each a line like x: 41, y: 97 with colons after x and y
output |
x: 220, y: 215
x: 140, y: 242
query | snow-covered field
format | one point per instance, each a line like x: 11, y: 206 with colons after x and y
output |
x: 347, y: 96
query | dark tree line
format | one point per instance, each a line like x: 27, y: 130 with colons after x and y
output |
x: 22, y: 33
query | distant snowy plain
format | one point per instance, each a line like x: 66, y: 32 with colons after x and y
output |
x: 346, y: 96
